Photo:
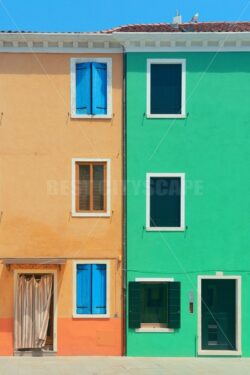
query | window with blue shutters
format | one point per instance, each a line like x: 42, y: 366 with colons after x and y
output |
x: 91, y: 289
x: 166, y: 88
x: 91, y: 87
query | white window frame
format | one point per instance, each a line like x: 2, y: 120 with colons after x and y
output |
x: 91, y: 316
x: 238, y: 350
x: 182, y: 62
x: 75, y: 213
x: 73, y: 62
x: 42, y: 271
x: 154, y: 280
x: 182, y: 197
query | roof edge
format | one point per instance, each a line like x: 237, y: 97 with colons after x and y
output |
x: 117, y: 42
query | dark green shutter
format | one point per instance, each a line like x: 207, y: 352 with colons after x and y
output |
x: 134, y: 315
x: 174, y: 304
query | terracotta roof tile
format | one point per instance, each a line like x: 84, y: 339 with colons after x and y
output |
x: 184, y: 27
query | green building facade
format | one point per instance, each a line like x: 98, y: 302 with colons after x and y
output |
x: 188, y: 202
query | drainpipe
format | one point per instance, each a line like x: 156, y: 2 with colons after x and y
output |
x: 124, y: 247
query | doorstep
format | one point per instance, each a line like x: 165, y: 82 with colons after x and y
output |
x: 34, y: 353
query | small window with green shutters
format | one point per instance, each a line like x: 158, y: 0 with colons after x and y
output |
x: 165, y: 201
x: 154, y: 305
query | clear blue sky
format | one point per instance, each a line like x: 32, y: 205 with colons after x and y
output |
x: 93, y: 15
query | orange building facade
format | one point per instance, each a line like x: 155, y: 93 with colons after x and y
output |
x: 50, y: 223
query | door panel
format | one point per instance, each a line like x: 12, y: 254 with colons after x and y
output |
x: 218, y: 314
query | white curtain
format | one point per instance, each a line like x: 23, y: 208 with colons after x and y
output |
x: 32, y: 306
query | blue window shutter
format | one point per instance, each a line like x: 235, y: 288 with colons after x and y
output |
x: 83, y: 289
x: 83, y: 89
x: 99, y: 88
x: 99, y: 282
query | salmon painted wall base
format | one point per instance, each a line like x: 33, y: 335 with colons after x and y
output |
x: 75, y: 337
x: 90, y: 336
x: 6, y: 336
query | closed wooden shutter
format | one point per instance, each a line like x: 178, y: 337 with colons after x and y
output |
x: 174, y: 304
x: 134, y: 304
x: 84, y: 187
x: 83, y: 289
x: 98, y: 187
x: 99, y: 88
x: 91, y: 186
x: 99, y: 286
x: 83, y: 88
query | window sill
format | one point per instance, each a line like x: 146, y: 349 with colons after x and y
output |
x: 181, y: 116
x: 155, y: 330
x: 74, y: 116
x: 91, y: 316
x: 220, y: 352
x: 166, y: 229
x: 91, y: 214
x: 35, y: 353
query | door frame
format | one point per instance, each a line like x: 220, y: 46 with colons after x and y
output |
x: 238, y: 350
x: 42, y: 271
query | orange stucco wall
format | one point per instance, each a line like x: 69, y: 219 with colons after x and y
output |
x: 90, y: 336
x: 6, y: 336
x: 38, y: 140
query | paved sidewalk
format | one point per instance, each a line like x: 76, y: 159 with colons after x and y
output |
x: 123, y: 366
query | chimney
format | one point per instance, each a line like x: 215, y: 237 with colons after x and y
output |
x: 177, y: 20
x: 195, y: 18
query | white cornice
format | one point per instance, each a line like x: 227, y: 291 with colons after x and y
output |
x: 184, y: 42
x: 59, y: 43
x: 117, y: 42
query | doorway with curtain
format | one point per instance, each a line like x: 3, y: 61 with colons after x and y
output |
x: 34, y: 312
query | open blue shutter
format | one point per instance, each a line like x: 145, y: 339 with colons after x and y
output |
x: 83, y: 289
x: 99, y: 282
x: 83, y: 89
x: 99, y: 88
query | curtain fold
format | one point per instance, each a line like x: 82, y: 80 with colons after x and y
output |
x: 32, y: 305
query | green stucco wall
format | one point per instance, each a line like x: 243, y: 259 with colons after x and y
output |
x: 212, y: 147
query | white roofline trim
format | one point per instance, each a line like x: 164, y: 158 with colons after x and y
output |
x: 59, y: 43
x: 59, y: 50
x: 117, y: 42
x: 184, y: 42
x: 176, y: 34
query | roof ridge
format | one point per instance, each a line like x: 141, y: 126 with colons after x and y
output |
x: 207, y: 26
x: 134, y: 24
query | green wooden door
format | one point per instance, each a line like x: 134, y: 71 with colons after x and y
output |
x: 218, y: 314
